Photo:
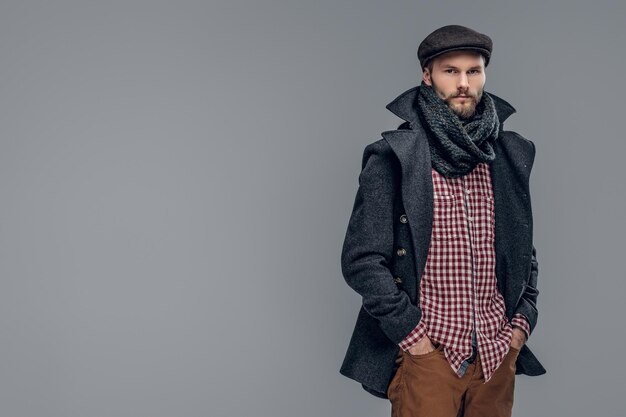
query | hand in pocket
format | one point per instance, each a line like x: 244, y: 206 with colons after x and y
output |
x: 422, y: 347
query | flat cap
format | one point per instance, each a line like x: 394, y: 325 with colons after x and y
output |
x: 453, y: 37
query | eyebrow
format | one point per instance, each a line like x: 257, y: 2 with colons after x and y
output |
x: 452, y: 66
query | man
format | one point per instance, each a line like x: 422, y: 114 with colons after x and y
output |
x: 439, y: 244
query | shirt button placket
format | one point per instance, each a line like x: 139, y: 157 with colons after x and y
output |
x: 468, y: 223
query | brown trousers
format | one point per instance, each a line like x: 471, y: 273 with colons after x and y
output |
x: 426, y: 386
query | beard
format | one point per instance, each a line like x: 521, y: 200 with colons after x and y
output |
x: 463, y: 111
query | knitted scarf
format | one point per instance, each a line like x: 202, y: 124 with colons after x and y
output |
x: 457, y: 145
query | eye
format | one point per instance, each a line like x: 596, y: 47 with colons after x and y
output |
x: 475, y: 71
x: 449, y: 69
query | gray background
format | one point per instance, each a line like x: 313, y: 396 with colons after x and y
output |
x: 177, y: 178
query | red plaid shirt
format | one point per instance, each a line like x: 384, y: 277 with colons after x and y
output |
x: 458, y: 290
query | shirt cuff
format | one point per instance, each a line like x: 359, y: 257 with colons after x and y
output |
x: 519, y: 320
x: 415, y: 336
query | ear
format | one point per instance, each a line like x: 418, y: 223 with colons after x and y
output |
x: 426, y: 76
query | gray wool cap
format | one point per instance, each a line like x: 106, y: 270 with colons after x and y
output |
x: 453, y: 37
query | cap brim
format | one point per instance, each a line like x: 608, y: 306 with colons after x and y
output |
x: 486, y: 54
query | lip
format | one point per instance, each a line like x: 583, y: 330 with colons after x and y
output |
x: 462, y: 97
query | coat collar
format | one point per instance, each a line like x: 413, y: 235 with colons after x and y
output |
x: 405, y: 106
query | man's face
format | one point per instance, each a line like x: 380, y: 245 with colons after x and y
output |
x: 455, y: 74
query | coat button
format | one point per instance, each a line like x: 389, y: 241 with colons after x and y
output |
x: 403, y: 219
x: 401, y: 252
x: 397, y: 280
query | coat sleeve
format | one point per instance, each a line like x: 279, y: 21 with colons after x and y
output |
x: 527, y: 305
x: 368, y: 246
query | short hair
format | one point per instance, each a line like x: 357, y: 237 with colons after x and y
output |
x: 429, y: 65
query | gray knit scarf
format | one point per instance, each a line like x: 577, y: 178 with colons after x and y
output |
x: 457, y: 145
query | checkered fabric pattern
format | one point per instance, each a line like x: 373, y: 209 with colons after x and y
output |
x: 458, y: 290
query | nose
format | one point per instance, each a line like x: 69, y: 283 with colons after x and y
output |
x: 463, y: 83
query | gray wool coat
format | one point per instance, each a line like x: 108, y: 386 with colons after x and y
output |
x: 393, y: 209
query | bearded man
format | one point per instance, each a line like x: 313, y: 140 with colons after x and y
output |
x: 439, y: 244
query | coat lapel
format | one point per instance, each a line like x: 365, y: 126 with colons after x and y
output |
x: 411, y: 148
x: 499, y: 174
x: 510, y: 173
